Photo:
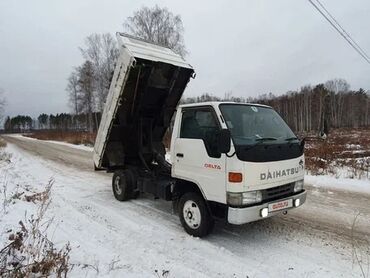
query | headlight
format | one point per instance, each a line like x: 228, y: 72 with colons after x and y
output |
x: 244, y: 198
x: 252, y: 197
x: 298, y: 185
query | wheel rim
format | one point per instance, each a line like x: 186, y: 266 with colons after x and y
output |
x: 192, y: 214
x: 117, y: 185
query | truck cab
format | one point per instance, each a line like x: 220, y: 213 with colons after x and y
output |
x: 258, y: 174
x: 234, y: 161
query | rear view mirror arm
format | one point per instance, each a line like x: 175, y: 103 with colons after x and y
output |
x: 231, y: 155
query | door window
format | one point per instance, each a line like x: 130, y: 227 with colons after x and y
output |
x: 201, y: 123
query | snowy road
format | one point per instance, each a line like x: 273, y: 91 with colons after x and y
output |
x: 313, y: 241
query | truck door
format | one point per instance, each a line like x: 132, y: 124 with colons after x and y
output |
x: 196, y: 157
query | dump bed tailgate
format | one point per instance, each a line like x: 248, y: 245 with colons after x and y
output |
x: 147, y: 83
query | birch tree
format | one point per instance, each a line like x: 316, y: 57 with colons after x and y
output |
x: 86, y: 91
x: 73, y: 91
x: 157, y: 25
x: 337, y: 88
x: 2, y: 103
x: 101, y: 50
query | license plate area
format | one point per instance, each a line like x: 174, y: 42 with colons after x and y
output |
x: 280, y: 205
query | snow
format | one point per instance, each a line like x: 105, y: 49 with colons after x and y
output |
x: 353, y: 146
x: 79, y: 147
x: 143, y: 236
x: 354, y: 185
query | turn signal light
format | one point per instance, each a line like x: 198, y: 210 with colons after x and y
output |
x: 235, y: 177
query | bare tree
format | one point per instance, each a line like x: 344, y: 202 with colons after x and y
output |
x: 101, y: 50
x: 157, y: 25
x: 367, y: 121
x: 74, y: 96
x: 337, y: 88
x: 2, y: 103
x: 73, y: 90
x: 86, y: 88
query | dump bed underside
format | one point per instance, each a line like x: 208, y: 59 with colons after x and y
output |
x: 147, y: 85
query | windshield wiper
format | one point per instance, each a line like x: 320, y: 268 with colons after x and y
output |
x: 266, y: 139
x: 260, y: 141
x: 291, y: 138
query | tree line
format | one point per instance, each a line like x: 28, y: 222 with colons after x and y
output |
x: 60, y: 122
x: 312, y: 108
x: 18, y: 123
x: 324, y: 106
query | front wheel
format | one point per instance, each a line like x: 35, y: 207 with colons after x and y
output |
x: 194, y: 215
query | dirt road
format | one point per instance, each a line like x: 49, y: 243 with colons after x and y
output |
x: 331, y: 212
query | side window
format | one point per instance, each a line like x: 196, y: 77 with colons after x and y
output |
x: 201, y: 124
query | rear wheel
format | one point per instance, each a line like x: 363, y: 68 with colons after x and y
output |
x: 194, y: 215
x: 123, y: 185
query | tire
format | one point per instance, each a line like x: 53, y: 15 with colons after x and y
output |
x: 194, y: 215
x: 123, y: 185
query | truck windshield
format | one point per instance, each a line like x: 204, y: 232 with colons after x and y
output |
x: 250, y: 124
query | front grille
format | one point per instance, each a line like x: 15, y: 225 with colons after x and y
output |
x: 278, y: 192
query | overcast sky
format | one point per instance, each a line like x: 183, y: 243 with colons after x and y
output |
x: 247, y: 47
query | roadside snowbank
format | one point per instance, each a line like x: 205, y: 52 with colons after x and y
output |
x: 80, y: 147
x: 355, y: 185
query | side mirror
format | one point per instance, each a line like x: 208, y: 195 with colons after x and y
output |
x: 223, y: 141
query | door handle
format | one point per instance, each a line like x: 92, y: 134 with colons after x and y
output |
x: 180, y: 155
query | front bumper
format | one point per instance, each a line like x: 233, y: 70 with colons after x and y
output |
x: 238, y: 216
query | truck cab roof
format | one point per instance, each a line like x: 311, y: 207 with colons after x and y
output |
x: 216, y: 103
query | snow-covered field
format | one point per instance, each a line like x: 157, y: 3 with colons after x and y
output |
x: 327, y: 181
x: 345, y: 154
x: 143, y: 238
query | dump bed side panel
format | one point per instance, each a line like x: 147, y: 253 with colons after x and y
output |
x: 147, y: 85
x: 151, y: 52
x: 121, y: 73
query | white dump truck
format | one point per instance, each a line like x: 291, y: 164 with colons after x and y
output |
x: 234, y: 161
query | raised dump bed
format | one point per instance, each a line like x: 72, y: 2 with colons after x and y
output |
x: 147, y: 85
